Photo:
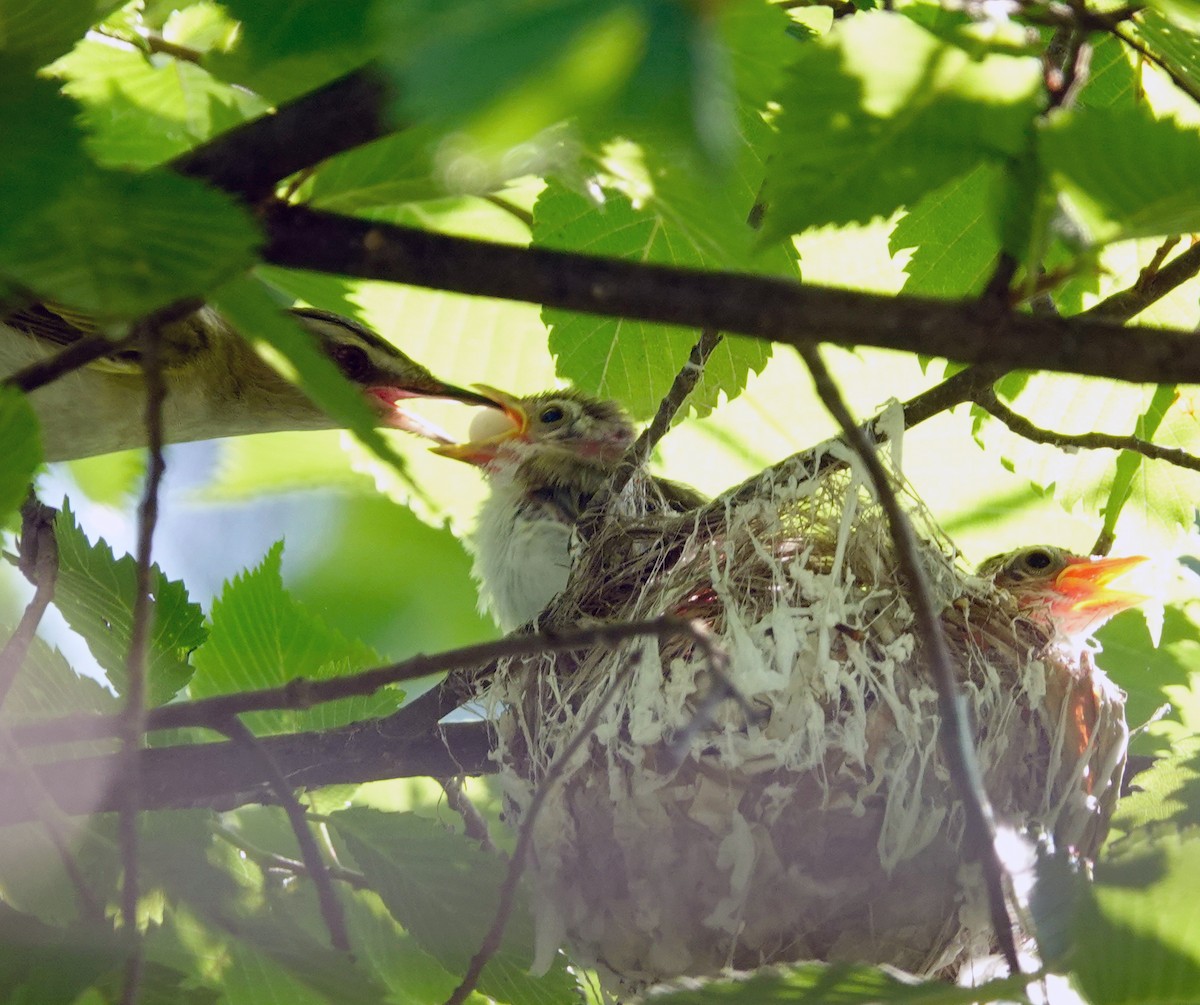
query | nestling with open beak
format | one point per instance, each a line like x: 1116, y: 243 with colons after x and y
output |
x: 546, y: 456
x: 217, y: 385
x: 1067, y: 595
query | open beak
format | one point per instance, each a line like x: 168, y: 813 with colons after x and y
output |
x: 1084, y: 585
x: 489, y: 431
x: 394, y: 417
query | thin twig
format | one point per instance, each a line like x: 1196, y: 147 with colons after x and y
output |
x: 52, y: 821
x: 474, y: 826
x: 272, y: 860
x: 78, y: 354
x: 39, y: 553
x: 685, y: 381
x: 303, y: 693
x: 716, y: 660
x: 511, y: 208
x: 956, y: 740
x: 516, y: 865
x: 1019, y: 424
x: 331, y: 907
x: 133, y: 716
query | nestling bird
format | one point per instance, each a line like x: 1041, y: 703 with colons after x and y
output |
x: 546, y: 457
x: 217, y: 385
x: 1067, y: 595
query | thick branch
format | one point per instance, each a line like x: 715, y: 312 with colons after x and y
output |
x: 220, y: 775
x: 249, y: 160
x: 760, y: 306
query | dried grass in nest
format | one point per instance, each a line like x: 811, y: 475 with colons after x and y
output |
x: 824, y: 825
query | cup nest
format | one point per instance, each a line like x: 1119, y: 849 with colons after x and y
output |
x: 814, y: 818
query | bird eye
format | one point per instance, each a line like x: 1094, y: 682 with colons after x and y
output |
x: 352, y: 360
x: 1038, y: 559
x: 551, y: 414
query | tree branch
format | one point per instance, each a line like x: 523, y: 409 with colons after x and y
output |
x: 1019, y: 424
x: 302, y: 693
x: 249, y: 160
x: 220, y: 776
x: 957, y: 743
x: 759, y: 306
x: 314, y: 863
x: 133, y: 715
x: 39, y: 559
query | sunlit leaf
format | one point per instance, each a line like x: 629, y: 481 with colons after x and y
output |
x: 621, y: 358
x: 880, y: 112
x: 261, y: 637
x: 95, y: 593
x: 1163, y: 494
x: 1125, y: 173
x: 953, y: 236
x: 141, y: 110
x: 1167, y: 792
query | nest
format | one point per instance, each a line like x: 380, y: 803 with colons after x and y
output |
x: 815, y: 819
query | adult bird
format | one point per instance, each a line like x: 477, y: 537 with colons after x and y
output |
x: 546, y: 457
x: 217, y: 384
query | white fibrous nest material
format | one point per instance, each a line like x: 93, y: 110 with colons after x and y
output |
x: 816, y: 821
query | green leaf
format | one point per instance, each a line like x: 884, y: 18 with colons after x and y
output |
x: 252, y: 310
x: 395, y: 169
x: 1185, y: 13
x: 22, y: 449
x: 632, y: 361
x: 880, y: 112
x: 835, y: 984
x: 1129, y: 463
x: 49, y: 966
x: 1166, y: 792
x: 95, y: 593
x: 261, y: 637
x: 1123, y: 172
x: 953, y: 234
x: 41, y: 148
x: 47, y: 687
x: 1178, y: 46
x: 120, y: 245
x: 444, y: 890
x: 140, y: 111
x: 42, y: 30
x: 1138, y: 935
x: 288, y: 47
x: 1151, y: 675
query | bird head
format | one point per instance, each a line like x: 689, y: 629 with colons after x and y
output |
x: 1066, y: 594
x: 386, y: 376
x: 566, y: 425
